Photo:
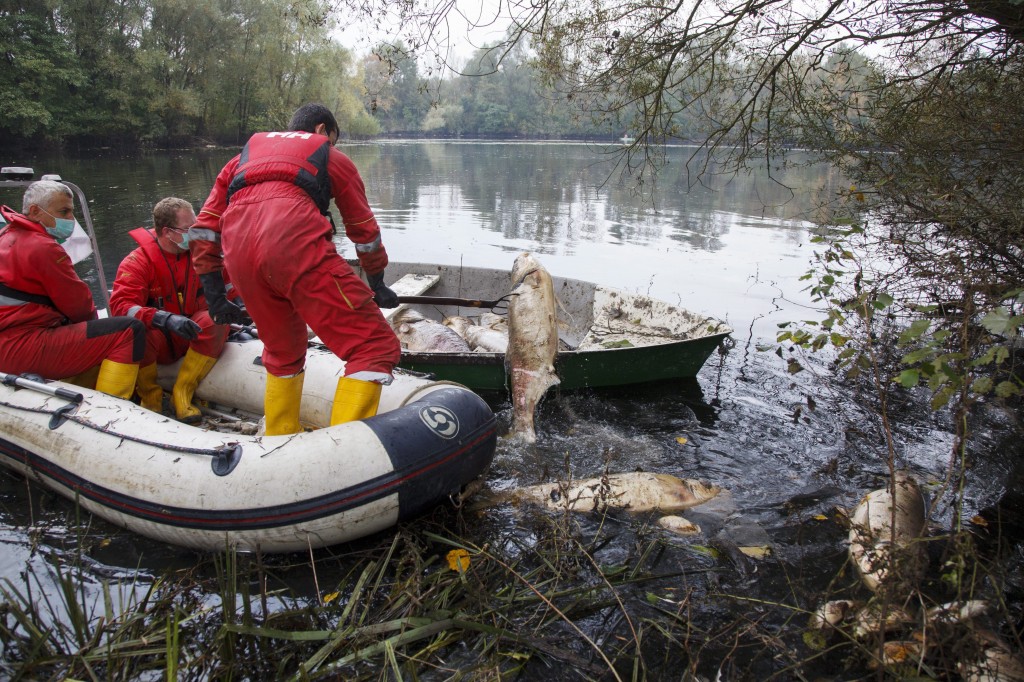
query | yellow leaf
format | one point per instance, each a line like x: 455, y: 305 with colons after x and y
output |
x: 820, y: 517
x: 328, y: 598
x: 757, y: 552
x: 979, y: 520
x: 104, y: 542
x: 458, y: 560
x: 681, y: 440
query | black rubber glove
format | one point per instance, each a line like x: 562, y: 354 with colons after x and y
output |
x: 382, y: 295
x: 183, y: 326
x: 221, y: 309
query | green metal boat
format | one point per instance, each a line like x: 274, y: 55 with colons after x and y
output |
x: 608, y: 337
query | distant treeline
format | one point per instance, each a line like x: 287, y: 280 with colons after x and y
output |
x: 131, y: 73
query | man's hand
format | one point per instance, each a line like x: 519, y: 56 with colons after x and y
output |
x: 183, y: 326
x: 382, y: 295
x: 221, y: 309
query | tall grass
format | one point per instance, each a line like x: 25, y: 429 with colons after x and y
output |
x: 548, y: 598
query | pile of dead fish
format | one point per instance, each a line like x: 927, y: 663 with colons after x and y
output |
x: 887, y: 547
x: 487, y: 333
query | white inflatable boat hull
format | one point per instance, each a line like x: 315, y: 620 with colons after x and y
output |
x: 209, y: 490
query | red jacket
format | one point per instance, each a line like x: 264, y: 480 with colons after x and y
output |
x: 150, y: 279
x: 31, y: 261
x: 346, y: 188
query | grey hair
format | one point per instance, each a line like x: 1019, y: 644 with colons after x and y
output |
x: 40, y: 192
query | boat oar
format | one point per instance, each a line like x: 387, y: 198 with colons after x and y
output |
x: 464, y: 302
x: 40, y: 387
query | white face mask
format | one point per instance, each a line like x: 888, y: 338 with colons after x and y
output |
x: 78, y: 245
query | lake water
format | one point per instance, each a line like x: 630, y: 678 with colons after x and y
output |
x: 788, y: 448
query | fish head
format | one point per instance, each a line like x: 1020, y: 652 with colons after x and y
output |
x: 678, y: 493
x: 524, y: 264
x: 459, y: 323
x: 406, y: 315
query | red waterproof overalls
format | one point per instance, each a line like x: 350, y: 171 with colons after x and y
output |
x: 276, y: 242
x: 48, y: 322
x: 150, y: 279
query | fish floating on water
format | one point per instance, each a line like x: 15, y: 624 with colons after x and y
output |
x: 422, y: 335
x: 634, y: 491
x: 885, y: 531
x: 532, y: 343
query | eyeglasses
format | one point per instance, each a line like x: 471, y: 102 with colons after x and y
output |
x: 179, y: 230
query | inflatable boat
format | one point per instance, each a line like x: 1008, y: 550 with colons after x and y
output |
x: 221, y: 485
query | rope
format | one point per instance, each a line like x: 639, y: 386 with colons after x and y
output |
x: 82, y: 421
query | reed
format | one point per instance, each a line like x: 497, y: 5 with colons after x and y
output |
x: 427, y: 602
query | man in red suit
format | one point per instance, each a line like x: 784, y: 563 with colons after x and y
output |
x: 48, y: 322
x: 157, y: 284
x: 267, y: 220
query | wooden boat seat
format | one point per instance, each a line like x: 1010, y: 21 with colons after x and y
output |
x: 410, y: 285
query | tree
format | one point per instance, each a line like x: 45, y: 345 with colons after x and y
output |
x: 39, y: 69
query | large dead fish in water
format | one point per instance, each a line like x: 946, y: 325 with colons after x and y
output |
x: 477, y: 336
x: 635, y: 491
x: 886, y: 527
x: 421, y: 335
x: 532, y: 342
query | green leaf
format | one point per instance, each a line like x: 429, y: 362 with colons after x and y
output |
x: 1006, y: 389
x: 941, y: 398
x: 793, y: 367
x: 916, y: 356
x: 982, y: 385
x: 815, y: 640
x: 914, y: 331
x: 909, y: 378
x: 883, y: 301
x: 848, y: 353
x: 999, y: 321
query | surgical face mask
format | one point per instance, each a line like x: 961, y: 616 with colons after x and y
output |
x: 183, y: 244
x: 62, y: 229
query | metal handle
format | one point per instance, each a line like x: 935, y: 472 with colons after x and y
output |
x: 40, y: 387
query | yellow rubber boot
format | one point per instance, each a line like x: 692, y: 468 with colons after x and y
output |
x: 151, y: 396
x: 354, y: 399
x: 117, y: 379
x: 86, y: 379
x: 194, y: 369
x: 281, y: 403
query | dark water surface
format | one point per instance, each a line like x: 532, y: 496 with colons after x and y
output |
x: 789, y: 449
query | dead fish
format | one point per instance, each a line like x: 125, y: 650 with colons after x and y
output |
x: 832, y: 613
x: 679, y: 525
x: 532, y: 343
x: 879, y: 535
x: 498, y: 323
x: 996, y: 660
x: 478, y: 337
x: 880, y: 617
x: 958, y: 611
x: 635, y: 491
x: 422, y: 335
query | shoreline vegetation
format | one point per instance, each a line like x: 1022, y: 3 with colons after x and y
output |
x: 11, y: 149
x: 434, y: 600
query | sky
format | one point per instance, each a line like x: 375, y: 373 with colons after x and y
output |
x: 470, y: 24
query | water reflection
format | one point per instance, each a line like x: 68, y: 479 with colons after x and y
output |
x: 558, y: 195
